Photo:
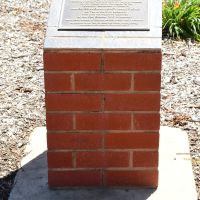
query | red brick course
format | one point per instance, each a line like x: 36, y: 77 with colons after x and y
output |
x: 73, y: 102
x: 131, y: 140
x: 102, y: 117
x: 71, y: 61
x: 74, y: 141
x: 132, y: 102
x: 147, y: 82
x: 146, y: 121
x: 59, y: 159
x: 59, y: 122
x: 102, y: 159
x: 100, y: 121
x: 132, y: 61
x: 102, y: 82
x: 148, y: 178
x: 145, y: 159
x: 57, y: 82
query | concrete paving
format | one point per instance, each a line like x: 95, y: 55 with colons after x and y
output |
x: 176, y: 181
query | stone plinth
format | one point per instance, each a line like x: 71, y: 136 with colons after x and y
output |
x: 102, y: 103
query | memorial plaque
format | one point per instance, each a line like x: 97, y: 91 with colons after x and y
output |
x: 104, y: 15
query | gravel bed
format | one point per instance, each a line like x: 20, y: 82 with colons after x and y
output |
x: 22, y: 28
x: 180, y: 94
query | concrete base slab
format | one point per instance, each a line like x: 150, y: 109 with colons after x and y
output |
x: 176, y: 179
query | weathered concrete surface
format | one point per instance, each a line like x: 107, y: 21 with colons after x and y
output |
x: 175, y: 182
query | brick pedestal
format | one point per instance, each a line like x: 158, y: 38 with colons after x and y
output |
x: 102, y: 117
x: 102, y: 91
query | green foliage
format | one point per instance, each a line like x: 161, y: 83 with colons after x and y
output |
x: 181, y: 18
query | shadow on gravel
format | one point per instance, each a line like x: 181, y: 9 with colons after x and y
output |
x: 6, y: 184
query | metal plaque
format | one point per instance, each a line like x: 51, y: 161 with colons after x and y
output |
x: 104, y: 15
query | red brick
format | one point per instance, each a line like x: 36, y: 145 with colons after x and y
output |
x: 132, y: 102
x: 147, y: 82
x: 132, y: 61
x: 147, y: 121
x: 73, y: 102
x: 102, y: 159
x: 74, y: 141
x: 59, y: 159
x: 98, y: 82
x: 59, y: 122
x: 74, y: 178
x: 148, y: 178
x: 57, y: 82
x: 145, y: 159
x: 103, y: 121
x: 75, y: 61
x: 131, y: 140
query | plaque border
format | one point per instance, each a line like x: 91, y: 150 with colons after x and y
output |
x: 78, y: 28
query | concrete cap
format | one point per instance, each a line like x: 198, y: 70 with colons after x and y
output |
x: 91, y: 40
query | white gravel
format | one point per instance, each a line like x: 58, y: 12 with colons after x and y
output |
x: 181, y: 94
x: 22, y: 28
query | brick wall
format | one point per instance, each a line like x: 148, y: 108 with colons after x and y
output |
x: 102, y: 117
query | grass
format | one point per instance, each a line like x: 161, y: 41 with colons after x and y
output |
x: 181, y: 19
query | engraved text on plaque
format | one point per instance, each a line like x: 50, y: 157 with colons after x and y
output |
x: 104, y: 15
